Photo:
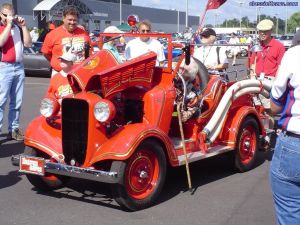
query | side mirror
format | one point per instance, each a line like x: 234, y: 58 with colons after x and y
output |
x: 187, y: 53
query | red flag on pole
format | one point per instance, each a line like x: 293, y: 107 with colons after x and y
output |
x: 214, y: 4
x: 211, y: 4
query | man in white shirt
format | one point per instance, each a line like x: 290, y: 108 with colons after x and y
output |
x: 34, y: 33
x: 285, y: 167
x: 142, y: 45
x: 213, y: 57
x: 234, y: 40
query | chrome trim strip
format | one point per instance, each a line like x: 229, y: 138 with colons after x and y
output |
x: 195, y: 156
x: 74, y: 171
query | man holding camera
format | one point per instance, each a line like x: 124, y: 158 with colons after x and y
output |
x: 14, y: 35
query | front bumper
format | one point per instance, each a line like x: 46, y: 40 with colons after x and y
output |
x: 73, y: 171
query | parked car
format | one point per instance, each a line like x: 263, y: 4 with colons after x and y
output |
x: 286, y: 40
x: 121, y: 126
x: 228, y: 51
x: 35, y: 62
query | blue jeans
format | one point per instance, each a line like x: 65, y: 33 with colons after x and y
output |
x: 12, y: 79
x: 285, y: 179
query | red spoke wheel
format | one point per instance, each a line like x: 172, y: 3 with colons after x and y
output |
x: 143, y: 176
x: 49, y: 181
x: 247, y: 145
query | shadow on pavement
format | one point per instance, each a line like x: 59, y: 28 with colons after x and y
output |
x: 10, y: 147
x: 10, y: 179
x: 202, y: 173
x: 85, y: 191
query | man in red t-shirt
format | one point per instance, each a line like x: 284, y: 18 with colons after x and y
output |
x: 65, y: 37
x: 267, y: 61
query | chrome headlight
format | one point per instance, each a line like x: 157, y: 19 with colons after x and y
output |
x: 104, y: 111
x: 49, y: 107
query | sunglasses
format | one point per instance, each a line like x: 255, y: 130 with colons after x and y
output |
x: 5, y: 15
x: 145, y: 31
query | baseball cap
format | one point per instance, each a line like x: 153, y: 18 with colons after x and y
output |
x: 296, y: 38
x: 112, y: 29
x: 68, y: 56
x: 208, y: 32
x: 265, y: 25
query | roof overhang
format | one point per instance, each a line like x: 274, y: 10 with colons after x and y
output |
x: 54, y: 8
x: 45, y: 5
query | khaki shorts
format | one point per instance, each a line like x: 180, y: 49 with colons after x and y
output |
x: 260, y: 99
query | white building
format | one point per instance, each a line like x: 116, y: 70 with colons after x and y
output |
x: 237, y: 30
x: 100, y: 14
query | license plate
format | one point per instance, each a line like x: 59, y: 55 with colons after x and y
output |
x: 33, y: 165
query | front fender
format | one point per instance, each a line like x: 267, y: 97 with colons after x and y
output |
x: 122, y: 145
x: 231, y: 127
x: 43, y: 137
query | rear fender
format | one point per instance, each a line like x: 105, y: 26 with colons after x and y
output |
x: 45, y: 138
x: 230, y: 130
x: 123, y: 144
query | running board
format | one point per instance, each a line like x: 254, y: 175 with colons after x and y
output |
x: 195, y: 156
x: 177, y: 142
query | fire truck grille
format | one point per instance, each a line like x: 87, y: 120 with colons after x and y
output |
x: 75, y: 116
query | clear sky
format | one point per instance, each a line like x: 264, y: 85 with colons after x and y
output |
x: 230, y: 9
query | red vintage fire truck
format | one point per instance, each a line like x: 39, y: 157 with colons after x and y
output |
x: 121, y: 126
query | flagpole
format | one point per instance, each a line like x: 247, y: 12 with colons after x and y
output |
x: 187, y: 14
x: 202, y: 17
x: 120, y: 12
x: 211, y: 4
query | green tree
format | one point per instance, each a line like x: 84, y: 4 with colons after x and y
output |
x: 252, y: 24
x: 231, y: 23
x: 245, y: 21
x: 293, y: 22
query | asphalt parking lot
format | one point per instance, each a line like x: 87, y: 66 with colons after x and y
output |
x: 219, y: 196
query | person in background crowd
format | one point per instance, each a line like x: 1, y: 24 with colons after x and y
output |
x: 111, y: 44
x: 50, y: 27
x: 243, y: 39
x: 249, y: 39
x: 34, y: 34
x: 142, y: 45
x: 285, y: 166
x: 14, y: 35
x: 234, y: 40
x: 59, y: 86
x: 213, y: 57
x: 64, y: 37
